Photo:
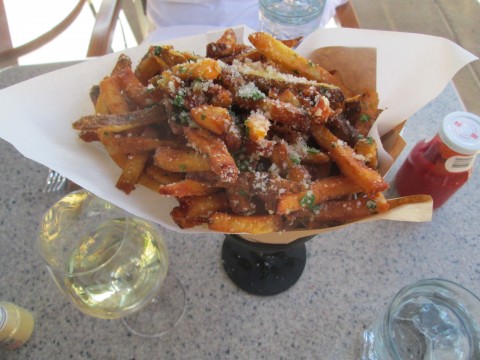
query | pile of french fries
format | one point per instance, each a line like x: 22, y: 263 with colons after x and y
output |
x: 248, y: 139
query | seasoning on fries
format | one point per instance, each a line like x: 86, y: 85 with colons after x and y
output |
x: 248, y: 139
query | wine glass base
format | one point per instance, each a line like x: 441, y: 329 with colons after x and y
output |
x: 262, y: 269
x: 163, y: 312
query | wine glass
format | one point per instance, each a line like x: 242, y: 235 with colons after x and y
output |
x: 110, y: 264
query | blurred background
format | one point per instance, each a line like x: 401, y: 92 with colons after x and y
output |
x: 457, y: 20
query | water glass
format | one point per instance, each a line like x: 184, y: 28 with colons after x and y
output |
x: 433, y: 319
x: 290, y: 19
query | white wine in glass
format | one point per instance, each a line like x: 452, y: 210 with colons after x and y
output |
x: 110, y: 264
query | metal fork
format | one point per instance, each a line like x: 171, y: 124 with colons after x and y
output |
x: 55, y: 182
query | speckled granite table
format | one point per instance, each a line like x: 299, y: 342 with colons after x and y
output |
x: 349, y: 277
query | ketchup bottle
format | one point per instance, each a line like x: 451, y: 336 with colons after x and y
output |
x: 439, y: 167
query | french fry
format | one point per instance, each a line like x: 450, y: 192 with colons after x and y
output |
x: 185, y: 188
x: 320, y: 191
x: 113, y: 97
x: 257, y: 126
x: 161, y: 176
x: 138, y: 144
x: 182, y: 220
x: 255, y: 224
x: 149, y: 67
x: 132, y: 86
x: 248, y: 139
x: 220, y: 160
x: 224, y: 46
x: 288, y: 58
x: 149, y: 182
x: 180, y: 160
x: 120, y: 122
x: 131, y: 172
x: 367, y: 147
x: 204, y: 69
x: 201, y: 207
x: 369, y: 111
x: 347, y: 160
x: 286, y: 113
x: 101, y: 106
x: 344, y: 211
x: 213, y: 118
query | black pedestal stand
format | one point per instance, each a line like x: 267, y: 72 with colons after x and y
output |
x: 263, y: 269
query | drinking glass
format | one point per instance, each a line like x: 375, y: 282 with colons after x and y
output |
x: 433, y: 319
x: 110, y: 264
x: 290, y: 19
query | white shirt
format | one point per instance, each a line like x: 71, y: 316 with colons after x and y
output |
x: 219, y: 13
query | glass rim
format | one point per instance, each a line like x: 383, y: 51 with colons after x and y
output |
x: 436, y: 282
x: 61, y: 268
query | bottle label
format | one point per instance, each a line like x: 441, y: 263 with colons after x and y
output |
x: 456, y: 164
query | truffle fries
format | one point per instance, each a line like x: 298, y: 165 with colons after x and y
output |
x: 248, y: 139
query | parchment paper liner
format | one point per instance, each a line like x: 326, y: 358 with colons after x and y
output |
x: 36, y: 115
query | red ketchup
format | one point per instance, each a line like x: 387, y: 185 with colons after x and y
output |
x: 439, y: 167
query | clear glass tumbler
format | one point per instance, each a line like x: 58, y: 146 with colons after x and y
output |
x: 433, y: 319
x: 290, y: 19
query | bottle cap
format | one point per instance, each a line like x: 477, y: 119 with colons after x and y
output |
x: 460, y: 131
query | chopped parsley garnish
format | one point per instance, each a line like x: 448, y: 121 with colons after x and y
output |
x: 203, y: 116
x: 243, y: 164
x: 308, y: 201
x: 367, y: 139
x: 371, y: 205
x: 295, y: 159
x: 364, y: 118
x: 311, y: 150
x: 179, y: 101
x: 157, y: 50
x: 183, y: 118
x: 182, y: 167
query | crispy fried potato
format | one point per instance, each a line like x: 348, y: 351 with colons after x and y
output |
x: 130, y: 84
x: 257, y: 126
x: 195, y: 210
x: 367, y: 147
x: 221, y: 161
x: 320, y: 191
x: 131, y: 172
x: 213, y: 118
x: 337, y: 212
x: 223, y: 47
x: 248, y: 139
x: 120, y: 122
x: 204, y: 69
x: 163, y: 177
x: 180, y: 160
x: 185, y: 188
x: 348, y: 161
x: 112, y: 95
x: 286, y: 57
x: 255, y: 224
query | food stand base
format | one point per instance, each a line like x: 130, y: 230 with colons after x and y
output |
x: 263, y: 269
